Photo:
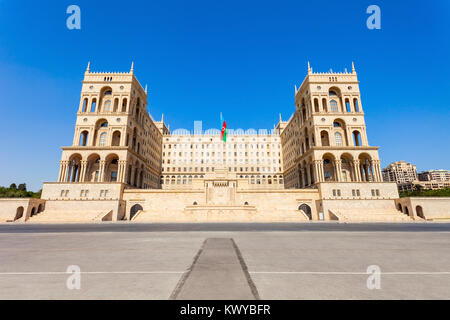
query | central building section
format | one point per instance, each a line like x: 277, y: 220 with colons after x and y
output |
x: 251, y: 155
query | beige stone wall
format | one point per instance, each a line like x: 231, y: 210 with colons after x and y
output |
x: 19, y: 209
x: 432, y: 208
x: 353, y: 200
x: 159, y: 203
x: 82, y: 210
x: 77, y: 191
x: 263, y: 205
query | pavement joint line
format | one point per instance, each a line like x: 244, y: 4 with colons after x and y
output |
x: 350, y: 273
x: 92, y: 272
x: 244, y: 267
x: 186, y: 274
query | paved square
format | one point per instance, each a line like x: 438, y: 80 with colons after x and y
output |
x: 202, y: 261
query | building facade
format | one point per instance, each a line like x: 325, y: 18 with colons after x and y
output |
x: 440, y: 175
x: 400, y: 172
x: 123, y: 165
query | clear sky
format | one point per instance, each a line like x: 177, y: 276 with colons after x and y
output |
x: 241, y: 58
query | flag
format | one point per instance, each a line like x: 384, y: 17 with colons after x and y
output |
x: 223, y: 134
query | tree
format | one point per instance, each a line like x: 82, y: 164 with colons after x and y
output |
x: 13, y: 186
x: 22, y: 187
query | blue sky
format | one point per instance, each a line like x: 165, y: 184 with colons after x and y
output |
x: 239, y: 57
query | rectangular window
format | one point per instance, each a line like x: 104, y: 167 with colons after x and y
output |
x: 113, y: 176
x: 357, y: 192
x: 373, y: 192
x: 377, y: 192
x: 101, y: 193
x: 334, y: 193
x: 82, y: 193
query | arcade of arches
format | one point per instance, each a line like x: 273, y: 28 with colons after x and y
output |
x: 93, y: 168
x: 342, y: 169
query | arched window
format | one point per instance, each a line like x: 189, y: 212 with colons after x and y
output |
x: 316, y: 105
x: 332, y: 93
x: 93, y: 105
x: 108, y: 92
x: 324, y: 139
x: 116, y: 105
x: 135, y: 209
x: 102, y: 140
x: 355, y: 104
x: 338, y: 138
x: 107, y: 106
x: 347, y: 105
x: 333, y: 106
x: 116, y: 138
x: 419, y: 212
x: 357, y: 138
x: 324, y: 105
x: 104, y: 124
x: 83, y: 138
x: 124, y: 105
x: 337, y: 124
x: 306, y: 209
x: 85, y: 105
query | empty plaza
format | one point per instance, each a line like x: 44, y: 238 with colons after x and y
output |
x: 225, y: 261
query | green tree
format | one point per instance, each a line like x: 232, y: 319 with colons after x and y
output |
x: 22, y: 187
x: 13, y: 186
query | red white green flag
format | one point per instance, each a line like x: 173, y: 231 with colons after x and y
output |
x: 223, y: 134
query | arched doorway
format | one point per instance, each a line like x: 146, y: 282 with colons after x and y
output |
x: 19, y: 213
x: 33, y: 212
x: 306, y: 209
x: 419, y: 212
x: 134, y: 209
x: 406, y: 211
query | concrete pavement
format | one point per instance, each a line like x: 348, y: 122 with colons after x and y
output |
x: 200, y: 261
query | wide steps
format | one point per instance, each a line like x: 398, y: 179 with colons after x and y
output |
x: 371, y: 216
x: 67, y: 216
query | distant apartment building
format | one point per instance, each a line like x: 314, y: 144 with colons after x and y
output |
x: 440, y: 175
x: 400, y: 172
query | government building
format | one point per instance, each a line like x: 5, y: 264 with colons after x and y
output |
x: 124, y: 165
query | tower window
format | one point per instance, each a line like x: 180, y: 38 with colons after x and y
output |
x: 102, y: 140
x: 333, y: 106
x: 338, y: 138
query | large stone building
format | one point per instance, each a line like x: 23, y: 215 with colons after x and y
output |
x: 440, y: 175
x: 123, y: 165
x: 400, y: 172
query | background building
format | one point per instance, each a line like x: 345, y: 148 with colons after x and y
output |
x: 250, y: 155
x: 400, y: 172
x: 440, y: 175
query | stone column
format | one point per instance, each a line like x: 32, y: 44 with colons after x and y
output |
x: 308, y: 175
x: 61, y: 169
x: 338, y: 170
x: 101, y: 177
x: 83, y: 170
x: 356, y: 168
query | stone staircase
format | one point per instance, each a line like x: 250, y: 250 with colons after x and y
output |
x: 69, y: 216
x: 368, y: 215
